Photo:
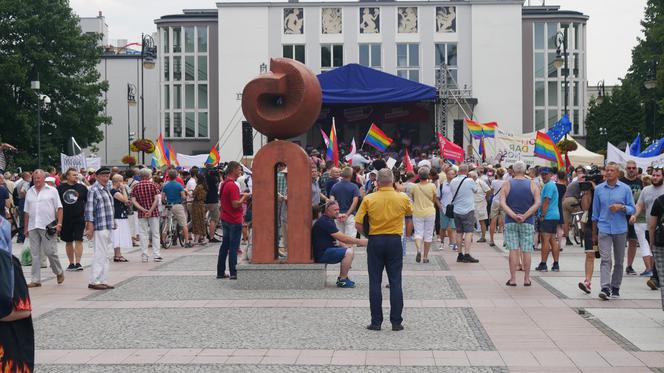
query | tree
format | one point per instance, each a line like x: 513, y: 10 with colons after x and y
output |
x: 44, y: 37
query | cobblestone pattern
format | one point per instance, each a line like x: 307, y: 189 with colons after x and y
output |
x: 446, y: 329
x: 241, y: 368
x: 210, y: 288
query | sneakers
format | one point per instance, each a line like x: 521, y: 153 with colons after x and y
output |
x: 460, y: 258
x: 144, y: 258
x: 469, y: 259
x: 482, y: 240
x: 615, y: 293
x: 373, y: 327
x: 555, y: 267
x: 542, y: 267
x: 646, y: 273
x: 71, y: 267
x: 79, y: 267
x: 492, y: 244
x: 418, y: 257
x: 605, y: 294
x: 345, y: 283
x: 188, y: 245
x: 630, y: 271
x: 397, y: 327
x: 585, y: 286
x: 568, y: 242
x: 652, y: 284
x: 214, y: 240
x: 34, y: 285
x: 158, y: 259
x: 60, y: 278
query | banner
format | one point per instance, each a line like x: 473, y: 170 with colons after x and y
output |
x: 189, y: 161
x: 613, y: 154
x: 449, y: 149
x: 74, y: 161
x: 93, y: 162
x: 510, y: 149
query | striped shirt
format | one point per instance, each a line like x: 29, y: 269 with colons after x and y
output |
x: 99, y: 208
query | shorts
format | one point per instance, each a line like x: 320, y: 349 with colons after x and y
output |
x: 213, y: 211
x: 481, y: 213
x: 631, y: 233
x: 519, y: 236
x: 568, y: 202
x: 72, y: 230
x: 548, y: 226
x: 179, y: 214
x: 588, y: 240
x: 446, y: 222
x: 465, y: 223
x: 424, y: 227
x: 333, y: 255
x: 248, y: 216
x: 496, y: 211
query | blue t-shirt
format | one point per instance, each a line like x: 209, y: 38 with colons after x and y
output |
x: 551, y: 192
x: 321, y: 235
x: 172, y: 189
x: 344, y: 192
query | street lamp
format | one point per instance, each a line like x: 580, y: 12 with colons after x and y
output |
x: 562, y: 60
x: 131, y: 101
x: 650, y: 84
x: 148, y: 57
x: 35, y: 85
x: 601, y: 92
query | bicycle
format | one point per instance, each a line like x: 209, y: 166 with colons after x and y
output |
x: 171, y: 233
x: 577, y: 226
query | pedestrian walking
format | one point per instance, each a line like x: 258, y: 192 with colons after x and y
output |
x: 463, y: 201
x: 447, y: 227
x: 643, y: 209
x: 424, y: 213
x: 99, y: 225
x: 656, y: 230
x: 145, y: 197
x: 548, y: 216
x: 198, y: 228
x: 122, y: 209
x: 586, y: 195
x: 386, y: 210
x: 73, y: 196
x: 634, y: 182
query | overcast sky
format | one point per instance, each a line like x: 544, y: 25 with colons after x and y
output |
x: 613, y: 27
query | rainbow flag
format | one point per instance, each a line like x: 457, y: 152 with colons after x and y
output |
x: 214, y: 157
x: 160, y: 159
x: 377, y: 138
x: 333, y: 148
x: 172, y: 156
x: 546, y: 149
x: 476, y: 128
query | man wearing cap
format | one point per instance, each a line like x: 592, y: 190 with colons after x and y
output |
x: 549, y: 216
x: 42, y: 209
x: 99, y: 222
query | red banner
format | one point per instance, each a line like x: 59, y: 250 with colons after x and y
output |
x: 449, y: 149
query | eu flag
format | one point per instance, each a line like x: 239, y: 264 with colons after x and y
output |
x: 560, y: 129
x: 654, y: 149
x: 635, y: 148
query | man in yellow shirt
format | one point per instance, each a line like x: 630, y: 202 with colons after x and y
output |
x: 386, y: 209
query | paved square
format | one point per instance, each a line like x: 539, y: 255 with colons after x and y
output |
x: 452, y: 329
x: 241, y: 368
x: 208, y: 287
x: 644, y: 328
x: 633, y: 287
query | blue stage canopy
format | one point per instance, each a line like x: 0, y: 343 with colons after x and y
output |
x: 357, y: 84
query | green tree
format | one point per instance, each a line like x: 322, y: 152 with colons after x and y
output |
x: 44, y: 37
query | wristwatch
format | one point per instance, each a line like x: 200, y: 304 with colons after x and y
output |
x: 624, y: 208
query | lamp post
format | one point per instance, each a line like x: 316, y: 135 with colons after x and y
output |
x: 651, y: 84
x: 131, y: 101
x: 35, y: 85
x: 601, y: 92
x: 148, y: 56
x: 562, y: 60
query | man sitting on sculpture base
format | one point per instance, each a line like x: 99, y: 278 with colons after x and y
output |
x: 323, y: 236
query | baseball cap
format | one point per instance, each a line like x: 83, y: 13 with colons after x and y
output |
x: 545, y: 170
x: 103, y: 171
x: 50, y: 179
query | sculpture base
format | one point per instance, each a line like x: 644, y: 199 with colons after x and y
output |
x: 280, y: 277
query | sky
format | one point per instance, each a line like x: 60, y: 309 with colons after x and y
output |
x: 613, y: 27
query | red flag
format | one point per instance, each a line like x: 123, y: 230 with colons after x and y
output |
x: 408, y: 165
x: 449, y: 149
x: 568, y: 164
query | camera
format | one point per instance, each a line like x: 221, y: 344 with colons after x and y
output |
x: 585, y: 186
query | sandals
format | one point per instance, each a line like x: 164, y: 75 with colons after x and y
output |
x: 527, y: 283
x: 120, y: 259
x: 425, y: 260
x: 508, y: 283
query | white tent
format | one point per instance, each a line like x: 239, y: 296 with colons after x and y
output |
x: 584, y: 157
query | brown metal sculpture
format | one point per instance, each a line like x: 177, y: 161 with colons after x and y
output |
x: 281, y: 104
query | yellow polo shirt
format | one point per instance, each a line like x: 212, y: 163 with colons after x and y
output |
x: 387, y: 209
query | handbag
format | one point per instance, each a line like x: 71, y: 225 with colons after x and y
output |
x: 449, y: 210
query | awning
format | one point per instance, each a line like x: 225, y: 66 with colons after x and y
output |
x: 357, y: 84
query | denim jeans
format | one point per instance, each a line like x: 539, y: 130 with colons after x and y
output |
x: 230, y: 244
x: 384, y: 252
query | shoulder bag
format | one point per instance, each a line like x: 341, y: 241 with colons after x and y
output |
x: 449, y: 210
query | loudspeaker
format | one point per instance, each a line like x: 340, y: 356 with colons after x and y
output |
x: 458, y: 132
x: 247, y: 138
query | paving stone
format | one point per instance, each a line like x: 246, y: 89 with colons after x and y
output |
x: 449, y: 329
x: 146, y: 288
x: 241, y: 368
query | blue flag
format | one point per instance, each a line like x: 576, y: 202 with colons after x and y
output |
x: 654, y: 149
x: 560, y: 129
x: 635, y: 147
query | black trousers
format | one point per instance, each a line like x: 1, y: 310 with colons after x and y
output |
x: 384, y: 252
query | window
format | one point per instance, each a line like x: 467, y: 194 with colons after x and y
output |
x: 189, y: 39
x: 539, y: 94
x: 446, y: 53
x: 167, y: 96
x: 201, y: 32
x: 190, y: 124
x: 539, y: 35
x: 177, y: 124
x: 552, y: 70
x: 189, y: 68
x: 166, y: 68
x: 177, y: 40
x: 202, y: 67
x: 294, y: 52
x: 189, y: 97
x: 167, y: 123
x: 553, y: 94
x: 539, y: 120
x: 408, y: 61
x: 164, y: 40
x: 177, y: 68
x: 539, y: 65
x: 202, y: 96
x: 203, y: 124
x: 551, y: 31
x: 370, y: 55
x: 553, y: 117
x: 177, y: 97
x: 331, y: 56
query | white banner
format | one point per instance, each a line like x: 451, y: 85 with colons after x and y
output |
x: 512, y: 149
x: 189, y: 161
x: 93, y: 162
x: 613, y: 154
x: 74, y: 161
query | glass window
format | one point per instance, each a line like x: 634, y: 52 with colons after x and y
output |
x: 408, y: 56
x: 177, y: 68
x: 577, y: 36
x: 202, y: 67
x: 440, y: 54
x: 325, y: 56
x: 332, y: 55
x: 402, y: 54
x: 201, y: 33
x: 299, y: 53
x: 553, y: 93
x: 166, y: 68
x: 551, y: 30
x: 577, y: 93
x: 539, y: 120
x: 189, y: 39
x: 164, y: 40
x: 190, y: 124
x: 167, y: 124
x: 338, y: 55
x: 576, y: 122
x: 553, y: 117
x: 364, y: 54
x: 552, y: 71
x: 539, y: 65
x: 167, y: 96
x: 295, y: 52
x: 576, y: 66
x: 202, y: 124
x: 189, y: 68
x: 452, y: 54
x: 375, y: 55
x: 202, y: 96
x: 287, y: 51
x: 539, y: 35
x: 177, y: 124
x: 413, y: 55
x: 177, y: 96
x: 177, y: 39
x: 539, y: 93
x: 402, y: 74
x: 189, y: 97
x: 414, y: 75
x: 370, y: 55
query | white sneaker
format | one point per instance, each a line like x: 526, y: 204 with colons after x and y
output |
x: 144, y: 258
x: 158, y: 259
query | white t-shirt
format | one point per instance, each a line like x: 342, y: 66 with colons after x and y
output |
x: 465, y: 199
x: 480, y: 194
x: 41, y: 206
x: 496, y: 186
x: 191, y: 185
